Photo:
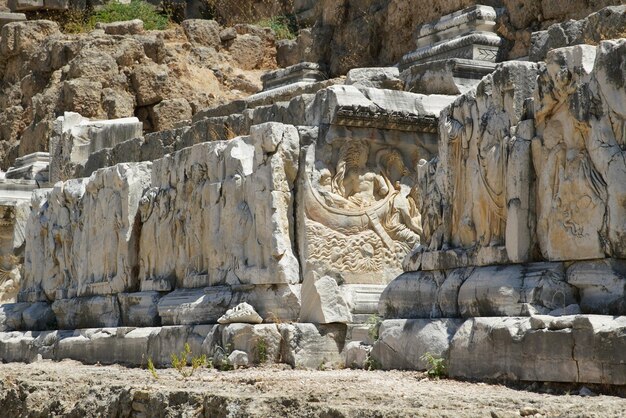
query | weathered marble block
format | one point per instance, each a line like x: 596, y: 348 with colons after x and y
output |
x: 87, y: 312
x: 468, y: 34
x: 275, y: 303
x: 74, y: 138
x: 221, y: 213
x: 601, y: 284
x: 513, y: 290
x: 82, y: 235
x: 578, y: 153
x: 403, y: 342
x: 477, y: 205
x: 302, y: 73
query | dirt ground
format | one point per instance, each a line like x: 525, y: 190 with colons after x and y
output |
x: 69, y: 388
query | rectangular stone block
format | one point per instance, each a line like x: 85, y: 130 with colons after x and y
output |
x: 195, y: 306
x: 312, y: 346
x: 402, y: 342
x: 82, y: 235
x: 139, y: 309
x: 87, y: 312
x: 234, y: 200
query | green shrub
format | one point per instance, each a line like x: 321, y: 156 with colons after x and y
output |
x: 152, y: 369
x: 436, y: 366
x: 182, y: 362
x: 137, y: 9
x: 284, y: 27
x: 374, y: 322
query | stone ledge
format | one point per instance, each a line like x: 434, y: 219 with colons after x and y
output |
x: 570, y: 349
x: 298, y: 344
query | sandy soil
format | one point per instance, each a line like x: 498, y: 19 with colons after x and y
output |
x: 69, y: 388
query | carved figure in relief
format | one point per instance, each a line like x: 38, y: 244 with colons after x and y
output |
x: 353, y: 180
x: 403, y: 221
x: 431, y: 207
x: 362, y: 208
x: 490, y: 206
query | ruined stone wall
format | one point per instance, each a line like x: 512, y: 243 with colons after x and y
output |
x: 355, y: 33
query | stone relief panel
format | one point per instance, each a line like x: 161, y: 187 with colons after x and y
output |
x: 578, y: 153
x: 82, y: 237
x: 482, y: 169
x: 221, y: 213
x: 359, y: 205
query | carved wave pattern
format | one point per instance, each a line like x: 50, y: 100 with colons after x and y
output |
x: 359, y: 253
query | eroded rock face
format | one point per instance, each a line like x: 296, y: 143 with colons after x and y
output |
x: 118, y: 71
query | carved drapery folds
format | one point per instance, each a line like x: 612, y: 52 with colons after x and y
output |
x: 481, y: 173
x: 579, y: 153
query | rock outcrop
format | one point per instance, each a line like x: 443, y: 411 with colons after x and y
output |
x: 162, y: 77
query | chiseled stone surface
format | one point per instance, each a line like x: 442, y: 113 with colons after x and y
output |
x: 402, y: 342
x: 82, y: 236
x: 222, y: 211
x: 601, y: 285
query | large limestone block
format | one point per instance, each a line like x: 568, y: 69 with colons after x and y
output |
x: 323, y: 301
x: 275, y: 303
x: 75, y: 138
x: 18, y: 346
x: 601, y: 285
x: 195, y: 306
x: 402, y: 342
x: 482, y: 173
x: 262, y: 343
x: 170, y: 340
x: 515, y: 290
x: 105, y: 345
x: 600, y: 348
x: 376, y: 77
x: 586, y: 221
x: 82, y: 236
x: 87, y: 312
x: 221, y: 212
x: 425, y: 294
x: 11, y: 316
x: 583, y: 348
x: 139, y: 309
x: 485, y: 347
x: 492, y: 348
x: 311, y: 346
x: 39, y: 317
x: 206, y: 305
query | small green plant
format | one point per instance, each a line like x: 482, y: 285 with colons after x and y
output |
x: 436, y: 365
x: 136, y: 9
x: 186, y: 364
x: 374, y: 321
x: 371, y: 364
x: 261, y: 350
x: 152, y: 369
x: 220, y: 360
x: 284, y: 27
